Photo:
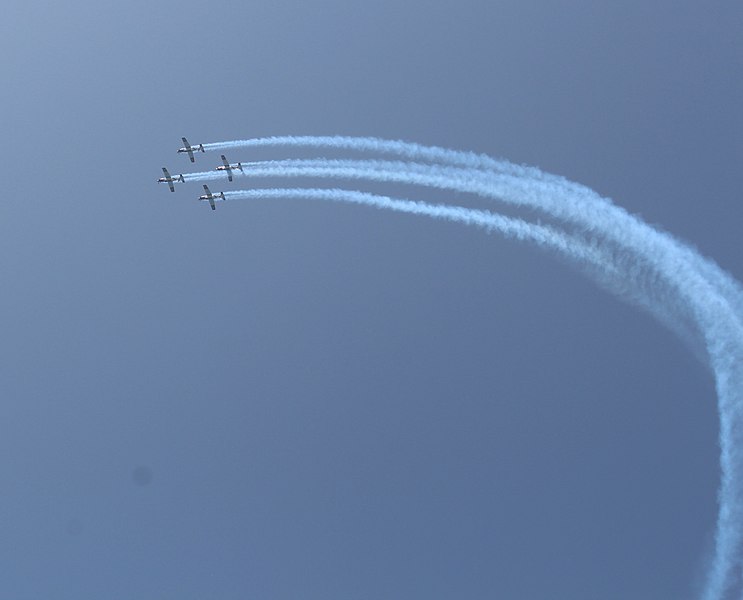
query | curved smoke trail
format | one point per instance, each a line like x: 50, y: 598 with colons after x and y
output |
x: 689, y: 285
x: 601, y: 262
x: 436, y: 154
x: 553, y: 196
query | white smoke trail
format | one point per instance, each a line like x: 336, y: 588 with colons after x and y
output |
x: 574, y: 204
x: 612, y: 222
x: 600, y: 262
x: 378, y: 146
x: 411, y: 150
x: 510, y: 227
x: 691, y: 285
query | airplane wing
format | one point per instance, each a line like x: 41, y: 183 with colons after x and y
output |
x: 211, y: 203
x: 168, y: 179
x: 227, y: 168
x: 188, y: 148
x: 206, y: 189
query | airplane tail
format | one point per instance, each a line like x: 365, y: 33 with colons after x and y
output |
x: 181, y: 179
x: 201, y: 147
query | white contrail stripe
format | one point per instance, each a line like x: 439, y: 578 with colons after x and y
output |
x: 411, y: 150
x: 556, y: 197
x: 601, y: 263
x: 377, y: 145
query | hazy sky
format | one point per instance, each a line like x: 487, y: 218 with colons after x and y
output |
x: 291, y: 399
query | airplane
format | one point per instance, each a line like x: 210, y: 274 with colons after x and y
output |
x: 191, y: 149
x: 169, y: 180
x: 228, y: 167
x: 211, y: 197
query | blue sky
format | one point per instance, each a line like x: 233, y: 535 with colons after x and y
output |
x: 332, y: 401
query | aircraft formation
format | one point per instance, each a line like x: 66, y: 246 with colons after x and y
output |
x: 207, y: 196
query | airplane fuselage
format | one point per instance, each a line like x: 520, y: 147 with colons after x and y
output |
x: 229, y: 168
x: 199, y: 148
x: 171, y: 179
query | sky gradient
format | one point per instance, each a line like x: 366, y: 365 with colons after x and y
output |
x: 287, y: 399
